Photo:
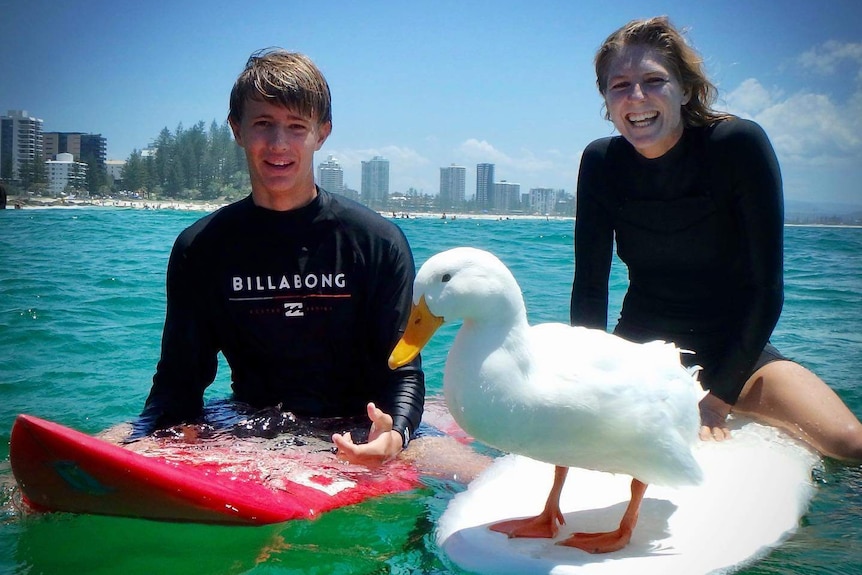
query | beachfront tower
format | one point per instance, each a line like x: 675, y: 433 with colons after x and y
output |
x: 542, y: 201
x: 66, y: 176
x: 484, y: 187
x: 88, y: 148
x: 507, y: 197
x: 375, y: 182
x: 20, y: 144
x: 452, y: 187
x: 330, y: 176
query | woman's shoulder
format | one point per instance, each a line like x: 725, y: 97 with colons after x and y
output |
x: 739, y: 149
x: 606, y: 148
x: 735, y: 131
x: 737, y: 140
x: 602, y: 145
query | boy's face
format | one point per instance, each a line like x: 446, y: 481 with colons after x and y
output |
x: 279, y: 147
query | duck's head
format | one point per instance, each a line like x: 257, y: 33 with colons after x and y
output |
x: 461, y: 283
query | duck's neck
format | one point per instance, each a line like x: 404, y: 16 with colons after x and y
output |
x: 487, y: 366
x: 494, y: 352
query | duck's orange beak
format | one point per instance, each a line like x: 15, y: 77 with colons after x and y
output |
x: 420, y: 327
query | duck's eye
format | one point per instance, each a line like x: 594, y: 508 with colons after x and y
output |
x: 446, y: 277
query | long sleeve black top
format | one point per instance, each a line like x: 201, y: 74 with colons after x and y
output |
x: 700, y: 230
x: 305, y: 305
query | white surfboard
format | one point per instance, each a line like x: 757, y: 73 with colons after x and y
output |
x: 756, y: 487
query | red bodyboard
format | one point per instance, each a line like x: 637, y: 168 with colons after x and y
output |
x: 60, y: 469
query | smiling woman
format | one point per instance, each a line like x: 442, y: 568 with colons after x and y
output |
x: 693, y: 199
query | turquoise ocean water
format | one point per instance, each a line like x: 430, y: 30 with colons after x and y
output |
x: 81, y: 311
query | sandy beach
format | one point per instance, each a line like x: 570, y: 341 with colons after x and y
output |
x: 42, y: 203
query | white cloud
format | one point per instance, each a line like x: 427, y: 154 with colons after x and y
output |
x: 406, y: 166
x: 810, y: 127
x: 525, y: 161
x: 481, y: 151
x: 826, y: 58
x: 404, y: 156
x: 748, y: 99
x: 805, y: 127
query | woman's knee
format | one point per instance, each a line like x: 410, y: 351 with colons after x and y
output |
x: 790, y: 396
x: 845, y: 443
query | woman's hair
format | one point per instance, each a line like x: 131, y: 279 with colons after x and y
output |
x: 288, y: 78
x: 680, y: 58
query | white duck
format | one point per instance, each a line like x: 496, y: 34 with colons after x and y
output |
x: 570, y: 396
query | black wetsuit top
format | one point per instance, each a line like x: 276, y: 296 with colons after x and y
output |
x: 701, y: 232
x: 305, y: 305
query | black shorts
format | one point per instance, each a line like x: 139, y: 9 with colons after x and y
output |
x: 768, y: 355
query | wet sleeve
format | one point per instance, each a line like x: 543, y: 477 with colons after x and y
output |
x: 402, y: 394
x: 189, y: 356
x: 757, y: 201
x: 594, y: 239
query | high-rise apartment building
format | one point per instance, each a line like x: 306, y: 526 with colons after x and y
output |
x: 507, y: 197
x: 375, y: 182
x: 452, y: 187
x: 330, y: 176
x: 484, y: 186
x: 543, y: 201
x: 20, y: 143
x: 88, y: 148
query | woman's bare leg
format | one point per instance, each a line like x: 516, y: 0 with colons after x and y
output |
x: 791, y: 397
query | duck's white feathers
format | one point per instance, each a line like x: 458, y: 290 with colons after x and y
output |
x: 564, y: 395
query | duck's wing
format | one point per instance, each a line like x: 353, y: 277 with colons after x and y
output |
x: 627, y: 403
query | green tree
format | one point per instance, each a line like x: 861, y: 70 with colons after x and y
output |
x: 191, y: 164
x: 34, y: 175
x: 136, y: 174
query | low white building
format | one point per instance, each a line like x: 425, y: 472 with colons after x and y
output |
x: 115, y: 169
x: 66, y: 175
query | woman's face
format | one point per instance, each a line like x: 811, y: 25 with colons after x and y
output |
x: 644, y: 100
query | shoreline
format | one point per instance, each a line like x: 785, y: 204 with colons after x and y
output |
x: 179, y: 205
x: 46, y: 203
x: 200, y: 206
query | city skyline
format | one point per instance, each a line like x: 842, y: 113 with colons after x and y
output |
x: 425, y: 86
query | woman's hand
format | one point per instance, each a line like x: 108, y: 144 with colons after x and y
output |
x: 713, y: 418
x: 384, y: 443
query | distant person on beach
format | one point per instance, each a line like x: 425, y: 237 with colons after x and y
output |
x: 693, y: 197
x: 304, y: 292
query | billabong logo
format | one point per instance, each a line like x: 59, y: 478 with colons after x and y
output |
x: 283, y: 283
x: 293, y: 309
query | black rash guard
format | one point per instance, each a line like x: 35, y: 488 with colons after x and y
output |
x: 305, y: 305
x: 701, y: 232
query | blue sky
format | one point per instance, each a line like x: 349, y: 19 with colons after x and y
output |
x: 429, y: 84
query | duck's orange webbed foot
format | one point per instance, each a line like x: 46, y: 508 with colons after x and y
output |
x: 598, y: 542
x: 612, y: 540
x: 546, y: 525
